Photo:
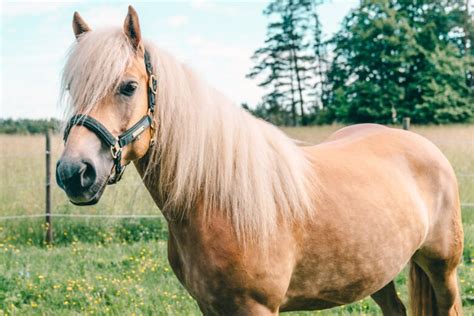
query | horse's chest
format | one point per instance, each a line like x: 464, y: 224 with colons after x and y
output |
x: 216, y: 272
x: 200, y: 268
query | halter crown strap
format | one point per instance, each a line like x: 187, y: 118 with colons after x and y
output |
x: 152, y: 83
x: 116, y: 144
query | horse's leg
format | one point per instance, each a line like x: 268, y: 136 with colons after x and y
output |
x: 247, y: 308
x: 443, y: 278
x: 434, y: 267
x: 447, y: 293
x: 253, y: 310
x: 389, y: 301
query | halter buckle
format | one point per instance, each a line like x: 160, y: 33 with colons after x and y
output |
x: 152, y: 119
x: 115, y: 150
x: 152, y: 83
x: 152, y: 127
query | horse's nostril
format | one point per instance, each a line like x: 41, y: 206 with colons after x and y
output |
x: 88, y: 174
x: 59, y: 177
x: 75, y: 176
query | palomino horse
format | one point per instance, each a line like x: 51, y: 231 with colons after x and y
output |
x: 258, y: 224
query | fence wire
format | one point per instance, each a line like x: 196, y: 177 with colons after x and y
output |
x: 36, y: 183
x: 80, y: 216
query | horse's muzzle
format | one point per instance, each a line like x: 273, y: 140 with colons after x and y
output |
x: 78, y: 178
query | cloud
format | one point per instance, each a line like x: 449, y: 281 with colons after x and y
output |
x: 222, y: 61
x: 210, y: 48
x: 224, y: 65
x: 16, y: 9
x: 105, y: 15
x: 40, y: 98
x: 201, y: 4
x: 230, y: 8
x: 177, y: 21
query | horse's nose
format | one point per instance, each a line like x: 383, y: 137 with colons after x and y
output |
x: 75, y: 176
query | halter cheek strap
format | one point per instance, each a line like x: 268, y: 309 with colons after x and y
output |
x: 117, y: 144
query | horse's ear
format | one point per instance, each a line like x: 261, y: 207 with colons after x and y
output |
x: 79, y: 25
x: 131, y: 27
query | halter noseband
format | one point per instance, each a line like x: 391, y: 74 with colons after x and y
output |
x: 116, y: 144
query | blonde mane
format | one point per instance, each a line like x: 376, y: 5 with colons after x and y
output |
x: 208, y: 150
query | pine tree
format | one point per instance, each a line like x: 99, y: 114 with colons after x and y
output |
x: 439, y: 85
x: 321, y: 63
x: 287, y: 60
x: 370, y: 64
x: 396, y: 58
x: 268, y: 59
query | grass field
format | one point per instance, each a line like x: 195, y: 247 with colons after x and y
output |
x: 119, y: 267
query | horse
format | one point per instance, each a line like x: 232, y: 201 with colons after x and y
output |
x: 259, y: 223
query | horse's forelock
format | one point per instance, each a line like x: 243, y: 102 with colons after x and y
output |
x: 94, y: 66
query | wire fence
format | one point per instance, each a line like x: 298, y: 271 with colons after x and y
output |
x: 120, y: 216
x: 464, y: 175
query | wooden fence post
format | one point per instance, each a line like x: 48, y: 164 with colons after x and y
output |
x: 48, y: 223
x: 406, y: 123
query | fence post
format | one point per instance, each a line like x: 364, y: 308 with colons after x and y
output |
x: 49, y: 228
x: 406, y: 123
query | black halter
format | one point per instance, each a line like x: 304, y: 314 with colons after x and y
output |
x: 116, y: 144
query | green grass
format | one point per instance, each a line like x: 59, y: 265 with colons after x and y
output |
x: 113, y: 278
x: 119, y: 279
x: 119, y: 267
x: 66, y: 231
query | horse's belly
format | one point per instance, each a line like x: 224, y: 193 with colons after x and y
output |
x: 336, y: 287
x: 306, y: 304
x: 320, y: 296
x: 344, y: 290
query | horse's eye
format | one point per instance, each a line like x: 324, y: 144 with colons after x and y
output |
x: 128, y: 88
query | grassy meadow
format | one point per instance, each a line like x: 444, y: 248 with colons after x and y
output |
x: 119, y: 266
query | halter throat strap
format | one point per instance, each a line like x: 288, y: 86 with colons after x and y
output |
x: 116, y: 144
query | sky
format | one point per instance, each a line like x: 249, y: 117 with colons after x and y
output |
x: 216, y: 38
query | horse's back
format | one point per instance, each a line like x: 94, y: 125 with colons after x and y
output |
x: 358, y: 130
x: 410, y: 159
x: 399, y: 148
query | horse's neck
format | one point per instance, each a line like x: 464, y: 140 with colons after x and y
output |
x: 150, y: 180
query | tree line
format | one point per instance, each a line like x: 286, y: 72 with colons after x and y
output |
x: 391, y: 59
x: 28, y: 126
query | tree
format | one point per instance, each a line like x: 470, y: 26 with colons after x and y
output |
x: 28, y: 126
x: 440, y: 85
x: 396, y: 58
x: 287, y: 60
x: 321, y: 63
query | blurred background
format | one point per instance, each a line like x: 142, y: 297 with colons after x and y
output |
x: 309, y: 66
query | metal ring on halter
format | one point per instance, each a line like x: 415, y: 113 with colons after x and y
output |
x: 114, y: 150
x: 152, y: 83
